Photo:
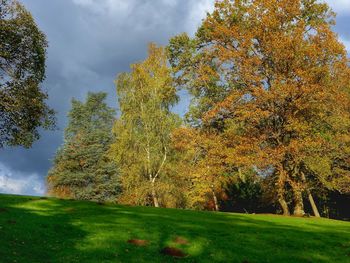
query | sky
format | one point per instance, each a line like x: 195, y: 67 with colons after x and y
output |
x: 90, y: 42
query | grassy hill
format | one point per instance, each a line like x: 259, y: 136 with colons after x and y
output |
x: 50, y: 230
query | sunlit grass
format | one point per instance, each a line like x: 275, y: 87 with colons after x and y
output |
x: 52, y: 230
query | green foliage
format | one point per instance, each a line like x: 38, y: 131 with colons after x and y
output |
x: 143, y: 130
x: 36, y: 230
x: 199, y: 161
x: 81, y: 168
x: 197, y: 70
x: 245, y: 195
x: 22, y: 69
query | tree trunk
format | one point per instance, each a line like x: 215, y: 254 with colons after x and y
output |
x: 154, y: 195
x: 298, y: 203
x: 313, y: 204
x: 284, y: 206
x: 215, y: 199
x: 311, y: 199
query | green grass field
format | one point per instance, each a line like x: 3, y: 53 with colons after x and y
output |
x: 52, y: 230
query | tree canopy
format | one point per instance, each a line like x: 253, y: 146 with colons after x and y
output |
x: 81, y: 167
x: 273, y: 79
x: 143, y: 130
x: 23, y: 105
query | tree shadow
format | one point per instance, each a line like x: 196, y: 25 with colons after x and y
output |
x: 217, y: 237
x: 29, y: 233
x: 65, y: 231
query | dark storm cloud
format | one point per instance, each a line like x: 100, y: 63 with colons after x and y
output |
x: 90, y: 42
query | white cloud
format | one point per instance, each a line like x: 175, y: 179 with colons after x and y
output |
x: 346, y: 43
x: 19, y: 183
x: 340, y: 6
x: 199, y: 11
x: 107, y: 7
x: 122, y: 9
x: 114, y: 5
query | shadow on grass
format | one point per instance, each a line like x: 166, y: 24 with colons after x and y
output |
x: 35, y: 235
x: 66, y: 231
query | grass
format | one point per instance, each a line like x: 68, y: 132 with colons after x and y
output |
x: 51, y: 230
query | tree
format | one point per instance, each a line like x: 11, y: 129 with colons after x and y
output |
x: 22, y: 69
x: 201, y: 162
x: 283, y: 89
x: 81, y: 167
x: 143, y: 130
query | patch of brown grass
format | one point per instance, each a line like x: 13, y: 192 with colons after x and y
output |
x: 181, y: 241
x: 138, y: 242
x: 174, y: 252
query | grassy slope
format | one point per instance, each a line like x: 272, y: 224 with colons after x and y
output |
x: 52, y: 230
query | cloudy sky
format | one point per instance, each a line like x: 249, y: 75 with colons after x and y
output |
x: 90, y: 42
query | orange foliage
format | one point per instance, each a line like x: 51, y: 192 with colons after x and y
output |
x: 289, y: 86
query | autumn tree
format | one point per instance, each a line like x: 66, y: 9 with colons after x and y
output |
x: 81, y: 168
x: 273, y: 77
x: 22, y: 69
x: 201, y: 162
x: 141, y: 148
